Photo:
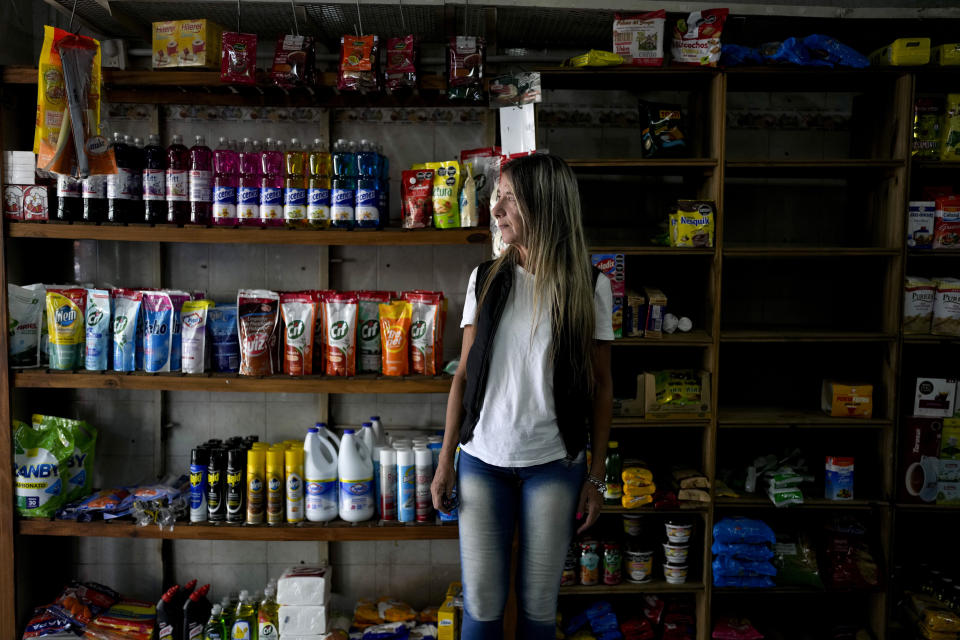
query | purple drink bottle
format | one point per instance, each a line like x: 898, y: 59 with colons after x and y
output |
x: 248, y: 195
x: 114, y: 200
x: 133, y: 211
x: 201, y: 180
x: 178, y: 182
x: 154, y: 181
x: 226, y: 169
x: 271, y: 189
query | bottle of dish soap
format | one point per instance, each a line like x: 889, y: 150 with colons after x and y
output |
x: 214, y: 629
x: 245, y: 620
x: 268, y: 615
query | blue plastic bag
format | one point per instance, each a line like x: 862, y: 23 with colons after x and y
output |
x: 730, y: 567
x: 743, y: 582
x: 754, y: 552
x: 735, y: 55
x: 743, y: 530
x: 790, y: 51
x: 821, y: 47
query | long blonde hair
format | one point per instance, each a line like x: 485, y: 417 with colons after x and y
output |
x: 548, y: 201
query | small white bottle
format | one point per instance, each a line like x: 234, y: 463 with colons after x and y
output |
x: 388, y: 483
x: 406, y: 485
x: 356, y: 479
x: 369, y: 438
x: 320, y: 477
x: 378, y: 430
x: 424, y: 477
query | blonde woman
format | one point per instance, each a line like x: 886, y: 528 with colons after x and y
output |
x: 534, y: 371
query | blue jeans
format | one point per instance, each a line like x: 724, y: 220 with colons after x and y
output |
x: 493, y: 500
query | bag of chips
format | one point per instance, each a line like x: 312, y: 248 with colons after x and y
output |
x: 662, y: 131
x: 638, y: 38
x: 466, y: 56
x: 400, y: 71
x: 358, y: 63
x: 696, y: 39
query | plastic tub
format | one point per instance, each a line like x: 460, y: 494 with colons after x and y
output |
x: 675, y: 574
x: 639, y: 566
x: 676, y: 554
x: 632, y: 524
x: 678, y: 532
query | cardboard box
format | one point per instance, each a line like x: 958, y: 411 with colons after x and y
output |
x: 946, y: 55
x: 948, y: 493
x: 919, y: 460
x: 656, y: 407
x: 841, y: 400
x: 166, y: 46
x: 36, y: 202
x: 920, y: 219
x: 617, y: 316
x: 656, y: 309
x: 612, y: 264
x: 13, y: 201
x: 632, y: 407
x: 181, y: 44
x: 935, y: 397
x: 950, y: 451
x: 450, y: 613
x: 635, y: 315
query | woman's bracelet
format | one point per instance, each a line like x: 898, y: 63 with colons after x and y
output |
x: 598, y: 483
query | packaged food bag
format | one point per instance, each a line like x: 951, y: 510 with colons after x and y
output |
x: 446, y: 194
x: 299, y: 312
x: 401, y: 63
x: 417, y: 203
x: 486, y: 172
x: 395, y: 337
x: 950, y: 129
x: 359, y: 64
x: 65, y: 312
x: 694, y: 224
x: 696, y: 39
x: 258, y: 315
x: 78, y: 478
x: 294, y: 61
x: 918, y: 298
x: 369, y: 348
x: 638, y: 38
x: 238, y: 58
x: 24, y: 315
x: 946, y: 307
x: 469, y: 207
x: 340, y: 321
x: 466, y: 57
x: 40, y: 460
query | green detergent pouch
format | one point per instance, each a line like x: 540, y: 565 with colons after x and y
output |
x: 40, y: 459
x: 24, y: 315
x: 78, y: 479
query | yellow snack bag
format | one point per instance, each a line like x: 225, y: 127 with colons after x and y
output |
x: 446, y: 194
x: 637, y: 474
x: 632, y: 502
x: 637, y: 489
x: 366, y: 614
x: 395, y: 611
x: 694, y: 224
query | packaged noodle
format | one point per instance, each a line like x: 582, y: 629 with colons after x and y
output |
x: 258, y: 314
x: 300, y: 320
x: 369, y: 349
x: 446, y: 193
x: 65, y: 311
x: 194, y: 346
x: 394, y: 335
x: 78, y: 476
x: 340, y: 339
x: 424, y: 329
x: 126, y: 314
x: 97, y: 352
x: 25, y: 308
x: 469, y: 209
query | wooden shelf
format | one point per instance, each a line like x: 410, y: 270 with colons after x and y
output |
x: 793, y: 591
x: 932, y: 253
x: 791, y: 251
x: 697, y: 337
x: 936, y: 165
x: 813, y: 166
x: 809, y: 503
x: 41, y: 379
x: 921, y: 338
x: 654, y: 586
x: 758, y: 416
x: 627, y: 422
x: 638, y: 165
x: 334, y: 532
x: 648, y: 510
x: 927, y: 508
x: 251, y: 235
x: 806, y: 336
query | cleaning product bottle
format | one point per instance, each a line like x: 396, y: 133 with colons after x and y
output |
x: 369, y: 439
x: 320, y: 475
x: 318, y: 188
x: 271, y: 190
x: 275, y: 484
x: 245, y: 619
x: 295, y: 185
x: 356, y: 479
x: 214, y: 629
x: 406, y: 485
x: 378, y: 429
x: 196, y: 612
x: 169, y: 615
x: 423, y: 461
x: 293, y: 466
x: 229, y: 609
x: 154, y: 181
x: 268, y: 615
x: 226, y: 180
x: 329, y: 434
x: 388, y: 483
x: 248, y: 194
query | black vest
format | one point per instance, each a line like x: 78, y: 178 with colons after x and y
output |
x: 572, y: 401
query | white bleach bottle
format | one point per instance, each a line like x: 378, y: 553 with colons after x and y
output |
x: 369, y: 438
x: 320, y: 477
x: 378, y: 430
x: 328, y: 434
x: 356, y: 479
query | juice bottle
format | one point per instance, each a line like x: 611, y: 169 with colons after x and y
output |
x: 251, y: 173
x: 178, y: 182
x: 115, y: 202
x: 69, y: 201
x: 271, y: 185
x: 268, y: 615
x: 94, y: 191
x: 295, y: 186
x: 154, y: 181
x: 201, y: 178
x: 245, y: 619
x: 614, y: 482
x: 226, y: 179
x: 134, y: 186
x: 214, y: 629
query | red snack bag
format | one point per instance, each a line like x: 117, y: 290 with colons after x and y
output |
x: 81, y: 602
x: 258, y: 314
x: 465, y: 61
x: 358, y: 63
x: 294, y: 60
x: 417, y: 203
x: 401, y: 63
x: 340, y: 339
x: 238, y: 58
x: 300, y: 320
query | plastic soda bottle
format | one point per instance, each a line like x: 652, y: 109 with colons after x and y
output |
x: 318, y: 188
x: 94, y: 191
x: 69, y: 200
x: 251, y: 173
x: 154, y: 181
x: 271, y: 185
x: 320, y: 474
x: 226, y: 179
x: 268, y: 615
x: 356, y: 479
x: 295, y: 185
x: 131, y: 183
x: 178, y: 182
x: 116, y: 200
x: 614, y: 482
x: 201, y: 179
x: 214, y: 630
x: 245, y: 619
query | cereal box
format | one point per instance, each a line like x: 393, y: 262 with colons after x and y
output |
x: 166, y: 47
x: 920, y: 223
x: 617, y: 316
x: 946, y: 307
x: 935, y: 397
x: 199, y: 42
x: 612, y: 264
x: 918, y: 295
x: 946, y: 224
x: 841, y: 400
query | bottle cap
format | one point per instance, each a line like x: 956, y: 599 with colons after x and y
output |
x: 346, y: 431
x: 367, y: 424
x: 321, y: 425
x: 313, y: 430
x: 374, y: 418
x: 235, y: 458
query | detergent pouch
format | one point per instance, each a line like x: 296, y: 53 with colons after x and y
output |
x: 424, y: 328
x: 223, y: 336
x: 97, y: 330
x: 395, y: 337
x: 79, y: 473
x: 158, y: 331
x: 65, y: 311
x: 258, y: 314
x: 177, y: 299
x: 299, y: 320
x: 340, y: 334
x: 40, y: 459
x: 195, y: 350
x: 126, y: 314
x: 25, y: 308
x: 369, y: 347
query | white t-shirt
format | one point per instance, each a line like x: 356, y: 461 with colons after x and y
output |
x: 518, y: 423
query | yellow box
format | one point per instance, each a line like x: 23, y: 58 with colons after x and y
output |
x: 199, y: 42
x: 903, y: 52
x: 455, y: 589
x: 946, y: 55
x: 690, y: 409
x: 448, y: 621
x: 841, y: 400
x: 166, y: 47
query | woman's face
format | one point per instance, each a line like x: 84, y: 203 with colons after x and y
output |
x: 507, y: 213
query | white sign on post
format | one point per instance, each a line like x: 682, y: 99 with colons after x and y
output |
x: 518, y: 131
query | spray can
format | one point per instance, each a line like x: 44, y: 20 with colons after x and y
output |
x: 406, y: 485
x: 293, y: 465
x: 275, y: 485
x: 216, y: 486
x: 235, y: 485
x: 424, y: 472
x: 256, y: 459
x: 199, y: 461
x: 388, y: 483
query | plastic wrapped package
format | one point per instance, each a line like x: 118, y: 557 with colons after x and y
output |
x: 733, y: 567
x: 735, y: 629
x: 302, y: 619
x: 833, y: 51
x: 735, y: 55
x: 751, y: 552
x: 743, y: 530
x: 304, y: 585
x: 796, y: 561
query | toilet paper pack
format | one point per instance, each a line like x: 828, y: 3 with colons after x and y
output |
x: 304, y: 585
x: 302, y: 620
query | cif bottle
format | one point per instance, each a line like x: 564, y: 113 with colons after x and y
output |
x: 293, y: 466
x: 116, y: 203
x: 367, y: 206
x: 356, y: 479
x: 248, y: 195
x: 196, y: 612
x: 271, y: 185
x: 201, y: 179
x: 226, y: 179
x: 318, y: 188
x: 320, y: 473
x: 344, y: 185
x: 295, y: 185
x: 275, y: 485
x: 69, y: 200
x: 214, y: 630
x: 245, y: 619
x: 94, y: 191
x: 268, y: 615
x: 178, y: 182
x: 154, y: 181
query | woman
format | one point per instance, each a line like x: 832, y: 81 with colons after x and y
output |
x: 534, y: 367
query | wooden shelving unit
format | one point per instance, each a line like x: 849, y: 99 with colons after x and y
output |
x: 624, y: 588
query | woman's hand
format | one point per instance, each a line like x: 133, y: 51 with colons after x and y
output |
x: 589, y: 505
x: 444, y: 481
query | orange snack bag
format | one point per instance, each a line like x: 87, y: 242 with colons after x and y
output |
x: 395, y: 336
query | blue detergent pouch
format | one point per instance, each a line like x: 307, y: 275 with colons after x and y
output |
x: 177, y: 298
x: 743, y: 530
x: 158, y: 331
x: 98, y: 325
x: 821, y: 47
x: 735, y: 55
x: 126, y: 319
x: 222, y: 323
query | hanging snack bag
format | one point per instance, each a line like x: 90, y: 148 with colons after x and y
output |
x: 294, y: 59
x: 25, y: 309
x: 65, y: 311
x: 300, y: 320
x: 694, y: 223
x: 950, y: 129
x: 40, y: 460
x: 340, y: 333
x: 465, y: 61
x: 417, y: 201
x: 424, y: 329
x: 395, y: 336
x: 469, y: 206
x: 662, y: 131
x: 97, y: 327
x: 195, y: 348
x: 401, y: 63
x: 369, y: 348
x: 696, y: 40
x: 486, y: 172
x: 126, y: 314
x: 358, y: 63
x: 638, y: 38
x: 238, y: 58
x: 446, y: 194
x: 224, y: 343
x: 78, y: 476
x: 258, y: 314
x: 158, y: 331
x: 177, y: 298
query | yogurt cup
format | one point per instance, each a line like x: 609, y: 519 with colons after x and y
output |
x: 676, y: 554
x: 678, y: 532
x: 675, y: 574
x: 639, y: 566
x: 632, y: 524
